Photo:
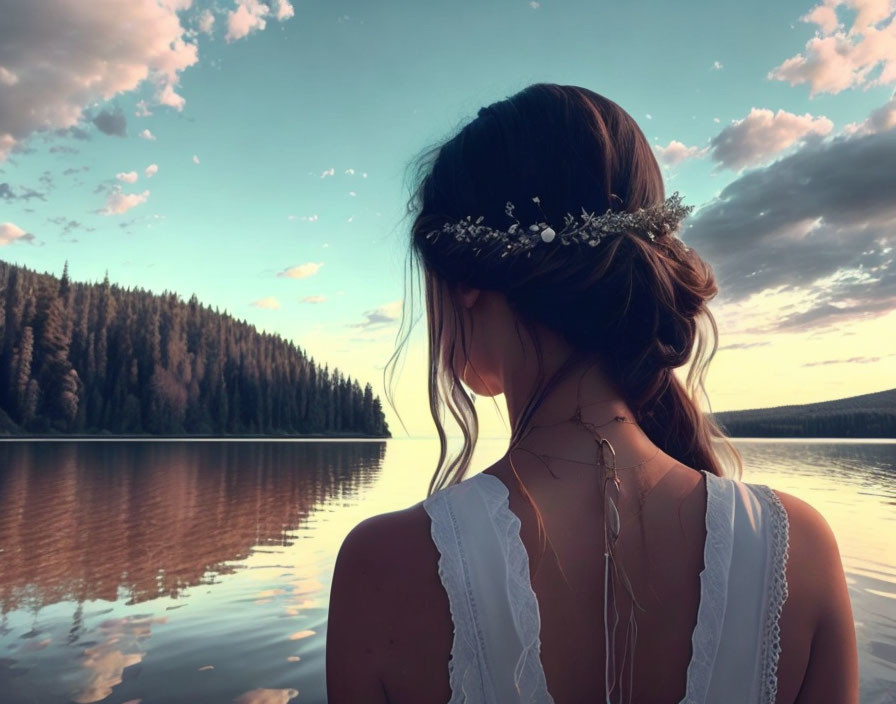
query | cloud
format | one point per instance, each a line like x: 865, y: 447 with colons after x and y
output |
x: 111, y: 122
x: 103, y: 57
x: 313, y: 299
x: 24, y: 193
x: 676, y: 152
x: 142, y: 109
x: 195, y: 159
x: 249, y: 16
x: 762, y: 134
x: 7, y: 77
x: 819, y: 224
x: 384, y: 315
x: 127, y: 176
x: 269, y: 303
x: 851, y: 360
x: 151, y: 170
x: 206, y: 21
x: 717, y: 65
x: 9, y: 233
x: 118, y: 202
x: 302, y: 271
x: 306, y: 218
x: 66, y: 224
x: 283, y: 10
x: 834, y: 60
x: 328, y: 172
x: 744, y: 345
x: 146, y: 134
x: 883, y: 118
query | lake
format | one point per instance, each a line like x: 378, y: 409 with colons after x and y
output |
x: 179, y: 571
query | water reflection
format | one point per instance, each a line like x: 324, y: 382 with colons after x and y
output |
x: 87, y: 525
x: 200, y: 572
x: 82, y: 521
x: 853, y: 485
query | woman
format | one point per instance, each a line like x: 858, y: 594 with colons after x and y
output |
x: 612, y: 554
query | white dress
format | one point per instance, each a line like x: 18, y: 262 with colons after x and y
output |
x: 484, y: 567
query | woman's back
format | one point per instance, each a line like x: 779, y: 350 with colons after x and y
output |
x: 419, y: 604
x: 731, y: 643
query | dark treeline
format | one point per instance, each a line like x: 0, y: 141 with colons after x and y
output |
x: 98, y: 358
x: 866, y: 416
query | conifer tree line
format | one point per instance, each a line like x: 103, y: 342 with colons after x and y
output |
x: 99, y: 358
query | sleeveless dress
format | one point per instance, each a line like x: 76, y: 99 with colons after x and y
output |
x: 484, y: 568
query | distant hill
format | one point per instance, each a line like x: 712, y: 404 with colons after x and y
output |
x: 865, y: 416
x: 89, y: 358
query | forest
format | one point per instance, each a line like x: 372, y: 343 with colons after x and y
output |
x: 96, y: 358
x: 866, y: 416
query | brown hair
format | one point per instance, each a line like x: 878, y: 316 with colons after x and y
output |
x: 637, y: 307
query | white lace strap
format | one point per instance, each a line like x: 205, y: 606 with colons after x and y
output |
x: 467, y: 648
x: 713, y: 587
x: 776, y: 593
x: 528, y: 673
x: 484, y: 567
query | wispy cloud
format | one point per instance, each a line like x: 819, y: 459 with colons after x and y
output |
x: 850, y: 360
x: 385, y: 314
x: 302, y: 271
x: 269, y: 303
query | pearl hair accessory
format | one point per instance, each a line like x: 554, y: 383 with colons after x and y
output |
x: 650, y: 223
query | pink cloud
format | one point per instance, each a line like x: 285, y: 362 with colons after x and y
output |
x: 763, y: 134
x: 118, y: 202
x: 676, y: 152
x: 104, y: 57
x: 268, y: 303
x: 10, y: 232
x: 302, y: 271
x: 834, y: 59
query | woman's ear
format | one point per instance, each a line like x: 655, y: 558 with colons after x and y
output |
x: 468, y: 295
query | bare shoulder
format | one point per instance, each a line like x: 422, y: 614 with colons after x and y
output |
x: 819, y: 659
x: 814, y: 556
x: 383, y: 552
x: 384, y: 607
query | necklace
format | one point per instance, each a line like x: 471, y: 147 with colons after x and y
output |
x: 605, y: 460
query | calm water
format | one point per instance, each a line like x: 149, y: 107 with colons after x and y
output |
x: 200, y: 571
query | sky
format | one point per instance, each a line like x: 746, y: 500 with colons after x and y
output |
x: 255, y: 154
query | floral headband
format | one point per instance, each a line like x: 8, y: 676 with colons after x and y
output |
x: 589, y: 228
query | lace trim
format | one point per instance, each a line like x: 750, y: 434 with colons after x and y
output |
x: 528, y: 674
x: 713, y: 587
x: 771, y: 630
x: 463, y: 669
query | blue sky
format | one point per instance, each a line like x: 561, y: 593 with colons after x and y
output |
x: 280, y: 150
